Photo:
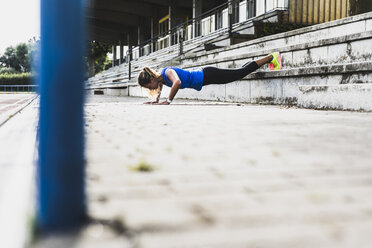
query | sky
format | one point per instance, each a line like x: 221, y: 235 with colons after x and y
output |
x: 19, y: 22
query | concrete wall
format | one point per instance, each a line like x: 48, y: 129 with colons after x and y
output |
x: 346, y: 96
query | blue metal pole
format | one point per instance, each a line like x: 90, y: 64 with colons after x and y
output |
x: 61, y: 190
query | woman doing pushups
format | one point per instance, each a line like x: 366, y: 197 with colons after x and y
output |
x: 177, y: 78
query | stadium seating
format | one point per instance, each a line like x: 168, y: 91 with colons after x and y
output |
x: 321, y: 63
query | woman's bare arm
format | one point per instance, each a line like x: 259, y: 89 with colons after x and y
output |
x: 157, y: 97
x: 173, y: 77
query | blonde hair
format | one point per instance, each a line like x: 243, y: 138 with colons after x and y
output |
x: 144, y: 78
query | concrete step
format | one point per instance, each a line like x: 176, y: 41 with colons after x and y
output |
x: 237, y: 38
x: 282, y: 87
x: 343, y: 96
x: 342, y: 49
x: 343, y: 27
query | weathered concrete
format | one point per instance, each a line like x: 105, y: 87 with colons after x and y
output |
x: 224, y: 175
x: 337, y: 96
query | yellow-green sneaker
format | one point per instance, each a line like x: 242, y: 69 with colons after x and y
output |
x: 276, y: 63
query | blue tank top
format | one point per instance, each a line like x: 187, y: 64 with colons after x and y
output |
x: 189, y: 78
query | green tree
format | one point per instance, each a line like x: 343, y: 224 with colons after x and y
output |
x: 23, y: 56
x: 9, y: 59
x: 17, y: 58
x: 97, y: 56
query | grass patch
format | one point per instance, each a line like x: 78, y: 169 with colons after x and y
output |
x: 33, y: 228
x: 142, y: 166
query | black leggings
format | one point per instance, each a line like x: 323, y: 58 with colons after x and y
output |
x: 213, y: 75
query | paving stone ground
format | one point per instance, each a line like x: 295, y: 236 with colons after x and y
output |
x: 18, y: 124
x: 224, y: 175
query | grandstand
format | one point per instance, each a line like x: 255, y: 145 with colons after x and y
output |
x: 327, y: 55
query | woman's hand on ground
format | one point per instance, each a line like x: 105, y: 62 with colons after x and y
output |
x: 151, y: 102
x: 162, y: 103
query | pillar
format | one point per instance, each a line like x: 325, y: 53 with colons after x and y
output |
x: 60, y: 174
x: 138, y: 34
x: 121, y: 51
x: 113, y: 55
x: 154, y: 27
x: 233, y: 13
x: 172, y: 21
x: 140, y: 37
x: 152, y: 34
x: 230, y: 15
x: 197, y: 9
x: 129, y: 55
x: 129, y: 47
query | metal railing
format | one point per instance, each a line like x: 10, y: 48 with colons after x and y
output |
x: 19, y: 88
x: 222, y: 16
x: 182, y: 32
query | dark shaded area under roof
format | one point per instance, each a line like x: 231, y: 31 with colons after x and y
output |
x: 111, y: 21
